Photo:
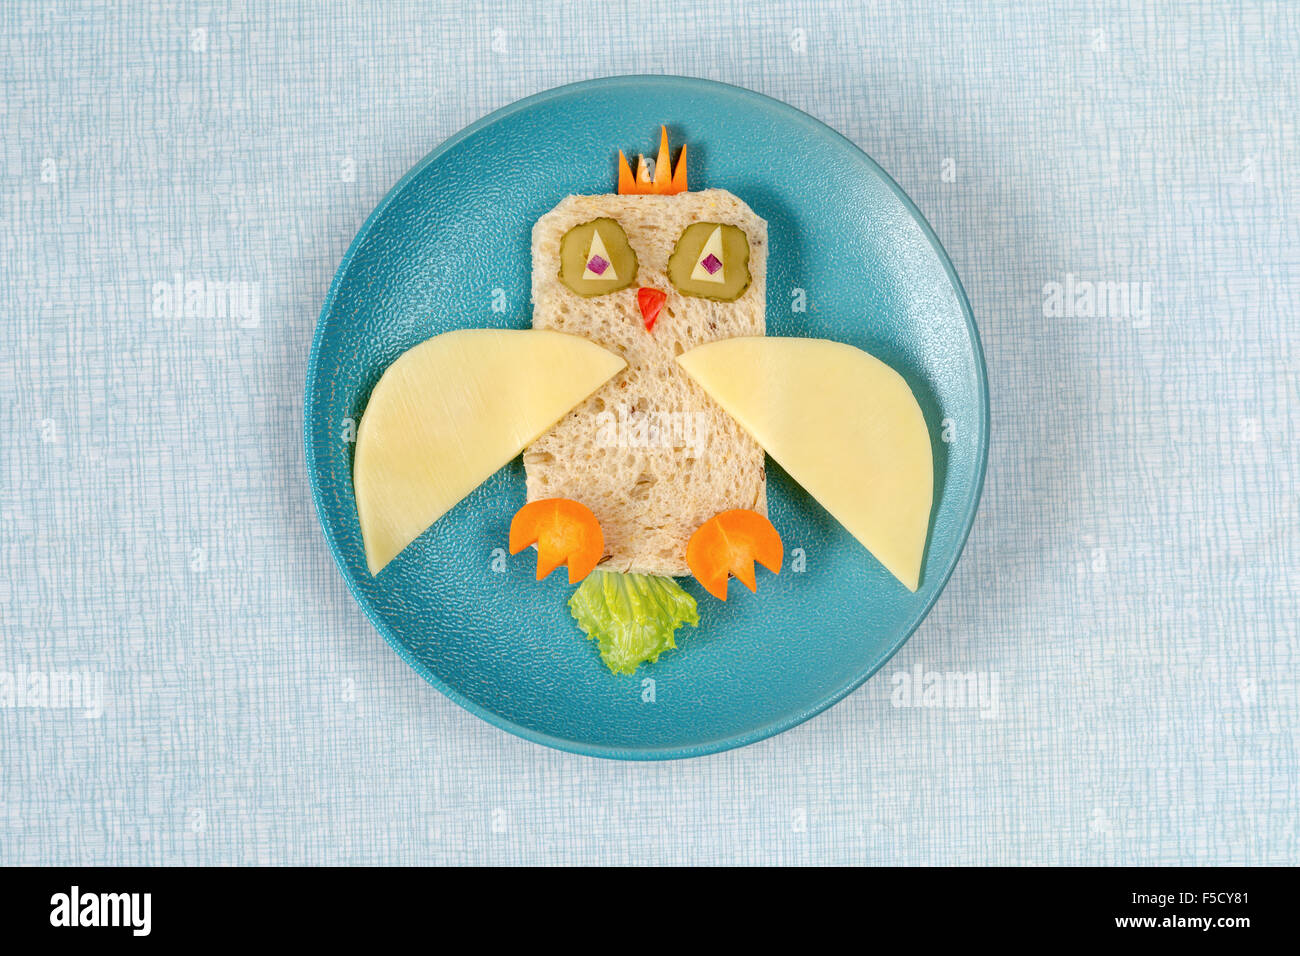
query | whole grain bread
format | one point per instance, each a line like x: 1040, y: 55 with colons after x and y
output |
x: 649, y: 453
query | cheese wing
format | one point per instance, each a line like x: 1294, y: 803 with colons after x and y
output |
x: 450, y: 412
x: 843, y: 424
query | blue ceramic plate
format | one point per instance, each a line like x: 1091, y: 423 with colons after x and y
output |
x: 448, y: 248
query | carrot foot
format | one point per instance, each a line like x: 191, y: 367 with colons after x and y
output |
x: 564, y: 531
x: 730, y: 543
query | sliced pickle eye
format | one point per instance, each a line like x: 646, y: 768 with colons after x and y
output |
x: 711, y: 261
x: 595, y: 258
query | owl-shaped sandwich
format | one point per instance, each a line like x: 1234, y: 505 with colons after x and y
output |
x: 643, y: 400
x: 650, y: 273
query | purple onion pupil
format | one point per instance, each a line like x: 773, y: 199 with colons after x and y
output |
x: 711, y: 263
x: 597, y: 265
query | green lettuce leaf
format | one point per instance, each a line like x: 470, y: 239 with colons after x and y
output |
x: 631, y: 617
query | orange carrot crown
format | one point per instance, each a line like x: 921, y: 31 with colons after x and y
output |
x: 666, y: 180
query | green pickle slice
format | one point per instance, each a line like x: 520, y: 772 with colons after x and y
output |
x: 735, y: 262
x: 575, y: 253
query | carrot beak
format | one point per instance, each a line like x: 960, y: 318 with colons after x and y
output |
x: 650, y: 300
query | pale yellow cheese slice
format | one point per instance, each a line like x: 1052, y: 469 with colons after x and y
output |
x: 597, y: 248
x: 843, y: 424
x: 712, y: 247
x: 450, y: 412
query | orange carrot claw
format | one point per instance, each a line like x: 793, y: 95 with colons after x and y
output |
x: 564, y: 531
x: 730, y: 543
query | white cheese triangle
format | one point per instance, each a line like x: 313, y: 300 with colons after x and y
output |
x: 597, y: 248
x: 712, y: 247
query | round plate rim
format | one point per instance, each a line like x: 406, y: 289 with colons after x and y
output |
x: 783, y: 722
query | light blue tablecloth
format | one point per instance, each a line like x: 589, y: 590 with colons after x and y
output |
x: 1117, y: 186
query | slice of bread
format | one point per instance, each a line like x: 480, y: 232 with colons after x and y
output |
x: 650, y: 478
